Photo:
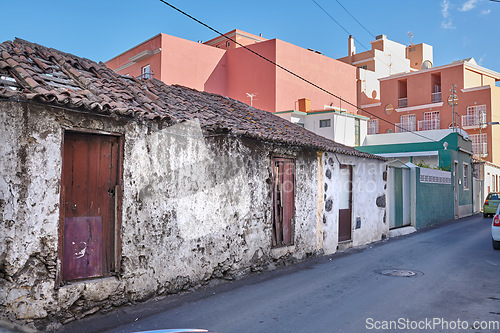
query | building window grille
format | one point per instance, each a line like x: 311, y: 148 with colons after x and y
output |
x: 479, y: 144
x: 476, y: 116
x: 430, y: 122
x: 373, y: 126
x: 465, y: 176
x: 325, y: 123
x: 407, y: 124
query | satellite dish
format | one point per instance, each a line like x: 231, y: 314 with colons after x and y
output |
x: 426, y: 64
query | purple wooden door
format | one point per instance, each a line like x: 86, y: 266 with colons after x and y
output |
x: 90, y: 176
x: 345, y: 203
x: 82, y: 249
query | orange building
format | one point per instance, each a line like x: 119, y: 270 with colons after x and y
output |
x: 220, y: 66
x: 418, y: 101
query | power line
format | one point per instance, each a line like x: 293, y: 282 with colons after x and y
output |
x: 340, y: 25
x: 355, y: 19
x: 289, y: 71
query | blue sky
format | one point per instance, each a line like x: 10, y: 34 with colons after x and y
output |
x: 99, y: 30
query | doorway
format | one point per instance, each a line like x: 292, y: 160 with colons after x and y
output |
x: 89, y: 200
x: 345, y: 203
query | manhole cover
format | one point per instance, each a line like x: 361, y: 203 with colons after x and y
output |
x: 399, y: 272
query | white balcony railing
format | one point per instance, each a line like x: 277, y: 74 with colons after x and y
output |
x: 473, y: 120
x: 403, y: 102
x: 405, y: 127
x: 427, y: 125
x: 436, y: 97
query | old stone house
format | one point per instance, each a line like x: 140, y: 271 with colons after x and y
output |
x: 113, y: 190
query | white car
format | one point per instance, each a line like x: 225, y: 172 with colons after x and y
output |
x: 495, y: 230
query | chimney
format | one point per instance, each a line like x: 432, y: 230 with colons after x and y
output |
x: 352, y: 48
x: 304, y: 104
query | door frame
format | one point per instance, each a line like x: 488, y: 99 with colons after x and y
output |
x: 351, y: 172
x: 117, y: 205
x: 456, y: 192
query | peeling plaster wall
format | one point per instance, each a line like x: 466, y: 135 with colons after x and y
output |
x: 368, y: 200
x: 194, y: 208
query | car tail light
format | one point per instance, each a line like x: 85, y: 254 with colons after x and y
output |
x: 486, y: 203
x: 496, y: 221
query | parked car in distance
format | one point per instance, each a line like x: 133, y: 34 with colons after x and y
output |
x: 495, y: 230
x: 491, y: 204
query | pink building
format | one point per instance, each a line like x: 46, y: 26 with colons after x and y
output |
x: 223, y: 67
x: 418, y: 101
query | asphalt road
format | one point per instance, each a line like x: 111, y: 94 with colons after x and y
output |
x: 456, y: 283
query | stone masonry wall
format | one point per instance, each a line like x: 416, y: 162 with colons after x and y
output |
x: 195, y: 208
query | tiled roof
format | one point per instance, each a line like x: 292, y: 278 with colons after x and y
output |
x: 34, y: 73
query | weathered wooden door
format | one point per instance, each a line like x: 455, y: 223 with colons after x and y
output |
x: 284, y: 201
x: 89, y: 188
x: 345, y: 203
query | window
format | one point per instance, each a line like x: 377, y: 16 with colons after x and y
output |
x: 436, y: 88
x: 407, y: 123
x: 466, y: 176
x: 146, y: 72
x: 373, y: 126
x: 479, y: 143
x: 356, y: 132
x: 283, y: 201
x: 402, y: 94
x: 363, y: 67
x: 325, y: 123
x: 228, y: 44
x: 430, y: 122
x: 476, y: 116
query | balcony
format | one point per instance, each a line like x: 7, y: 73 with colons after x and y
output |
x: 405, y: 127
x: 403, y: 102
x: 427, y: 125
x: 436, y: 97
x: 473, y: 120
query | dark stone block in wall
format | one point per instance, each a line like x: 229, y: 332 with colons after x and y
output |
x: 328, y: 174
x: 328, y: 205
x: 381, y: 201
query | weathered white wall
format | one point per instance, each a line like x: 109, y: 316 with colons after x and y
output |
x: 341, y: 129
x: 194, y: 209
x: 368, y: 200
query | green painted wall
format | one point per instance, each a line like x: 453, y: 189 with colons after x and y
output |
x: 454, y: 151
x: 434, y: 203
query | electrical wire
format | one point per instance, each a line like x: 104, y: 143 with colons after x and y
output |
x: 289, y: 71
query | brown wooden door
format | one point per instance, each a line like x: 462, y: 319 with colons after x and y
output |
x: 90, y: 179
x: 284, y: 201
x: 345, y: 203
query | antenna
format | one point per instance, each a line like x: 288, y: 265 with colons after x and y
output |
x: 411, y: 37
x: 251, y: 96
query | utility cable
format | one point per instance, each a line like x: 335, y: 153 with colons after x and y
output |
x: 289, y: 71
